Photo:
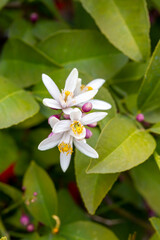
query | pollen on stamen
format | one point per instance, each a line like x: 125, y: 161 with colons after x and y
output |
x: 77, y: 127
x: 65, y: 148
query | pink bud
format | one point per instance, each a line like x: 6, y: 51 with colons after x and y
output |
x: 87, y: 107
x: 23, y: 188
x: 66, y: 116
x: 34, y: 17
x: 35, y: 194
x: 56, y: 116
x: 140, y: 117
x: 92, y: 125
x: 30, y: 227
x: 88, y: 133
x: 24, y: 220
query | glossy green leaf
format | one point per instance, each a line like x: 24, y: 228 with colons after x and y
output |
x: 8, y: 151
x: 3, y: 3
x: 86, y: 50
x: 12, y: 192
x: 86, y: 231
x: 121, y: 146
x: 155, y: 237
x: 148, y: 99
x: 93, y: 187
x: 157, y: 158
x: 155, y: 128
x: 66, y: 203
x: 16, y: 105
x: 45, y: 28
x: 147, y: 181
x: 156, y: 224
x: 45, y: 204
x: 115, y: 20
x: 25, y: 63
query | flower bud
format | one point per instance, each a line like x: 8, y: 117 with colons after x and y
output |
x: 30, y: 227
x: 92, y: 125
x: 24, y: 220
x: 87, y: 107
x: 88, y: 133
x: 66, y: 116
x: 140, y: 117
x: 34, y: 17
x: 56, y: 116
x: 35, y: 194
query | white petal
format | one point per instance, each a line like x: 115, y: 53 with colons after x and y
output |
x: 79, y: 136
x: 67, y: 110
x: 93, y: 117
x: 64, y: 161
x: 62, y: 126
x: 85, y: 148
x: 49, y: 102
x: 51, y: 86
x: 49, y: 142
x: 84, y: 97
x: 78, y: 87
x: 52, y: 121
x: 96, y: 83
x: 100, y: 105
x: 76, y: 114
x: 71, y: 81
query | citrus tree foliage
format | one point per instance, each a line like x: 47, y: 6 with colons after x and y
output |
x: 117, y: 195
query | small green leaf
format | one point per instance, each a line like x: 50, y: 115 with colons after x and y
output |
x: 148, y: 98
x: 155, y: 128
x: 155, y: 237
x: 115, y: 20
x: 156, y: 224
x: 93, y: 187
x: 12, y: 192
x: 86, y: 231
x: 121, y: 146
x: 86, y: 50
x: 157, y: 159
x: 16, y: 105
x: 25, y: 63
x: 147, y: 181
x: 45, y: 205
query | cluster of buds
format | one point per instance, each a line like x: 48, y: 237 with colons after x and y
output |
x: 25, y: 221
x: 69, y: 127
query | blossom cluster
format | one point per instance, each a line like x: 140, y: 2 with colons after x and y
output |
x: 69, y: 127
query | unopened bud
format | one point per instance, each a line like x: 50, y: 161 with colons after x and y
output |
x: 30, y: 227
x: 34, y: 17
x: 35, y: 194
x: 140, y: 117
x: 92, y: 125
x: 87, y: 107
x: 24, y: 220
x: 88, y: 133
x: 66, y: 116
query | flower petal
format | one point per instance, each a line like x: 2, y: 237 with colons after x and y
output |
x: 50, y: 142
x: 49, y: 102
x: 67, y: 110
x: 83, y: 97
x: 51, y: 86
x: 62, y: 126
x: 96, y: 83
x: 85, y: 148
x: 93, y: 117
x: 52, y: 121
x: 78, y: 87
x: 65, y: 161
x: 76, y: 114
x: 100, y: 105
x: 71, y: 81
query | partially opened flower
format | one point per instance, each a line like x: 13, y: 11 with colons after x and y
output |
x: 93, y: 85
x: 67, y: 132
x: 66, y: 99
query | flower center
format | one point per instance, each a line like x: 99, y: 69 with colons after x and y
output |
x: 86, y: 88
x: 77, y: 127
x: 65, y: 148
x: 67, y: 93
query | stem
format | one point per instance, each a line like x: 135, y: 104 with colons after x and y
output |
x: 105, y: 221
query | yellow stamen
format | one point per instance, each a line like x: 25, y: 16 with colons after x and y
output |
x: 82, y: 87
x: 86, y: 88
x: 58, y: 223
x: 77, y: 127
x: 89, y: 88
x: 67, y: 93
x: 65, y: 148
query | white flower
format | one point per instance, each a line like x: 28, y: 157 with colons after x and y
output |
x: 93, y: 85
x: 66, y: 99
x: 67, y: 132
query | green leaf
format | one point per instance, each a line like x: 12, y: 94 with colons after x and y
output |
x: 3, y: 3
x: 156, y: 224
x: 86, y: 50
x: 155, y: 237
x: 148, y: 99
x: 25, y: 63
x: 121, y: 146
x: 157, y: 4
x: 93, y: 187
x: 147, y: 181
x: 45, y: 205
x: 7, y: 157
x: 155, y: 128
x: 66, y: 203
x: 16, y: 105
x: 45, y: 28
x: 157, y: 159
x: 12, y: 192
x: 115, y: 20
x: 86, y: 231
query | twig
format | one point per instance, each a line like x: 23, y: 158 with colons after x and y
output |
x: 108, y: 222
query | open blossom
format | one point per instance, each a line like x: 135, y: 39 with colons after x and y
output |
x: 93, y: 85
x: 66, y: 98
x: 67, y: 132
